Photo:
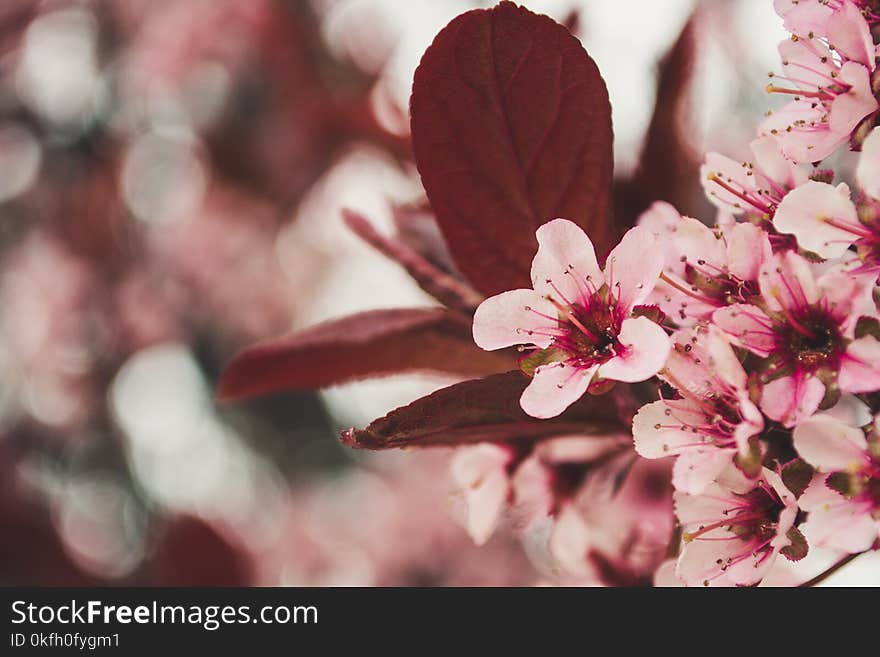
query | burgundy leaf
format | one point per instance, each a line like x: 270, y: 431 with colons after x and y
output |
x: 796, y: 475
x: 668, y: 167
x: 447, y: 289
x: 511, y: 127
x: 367, y: 344
x: 189, y: 552
x: 417, y: 227
x: 483, y: 410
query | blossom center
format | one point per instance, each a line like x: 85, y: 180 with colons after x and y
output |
x: 811, y: 339
x: 588, y: 332
x: 753, y: 517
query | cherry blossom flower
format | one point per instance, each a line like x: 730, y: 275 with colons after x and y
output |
x: 593, y: 519
x: 843, y: 500
x: 502, y: 485
x: 825, y: 221
x: 734, y: 531
x: 831, y: 89
x: 580, y: 315
x: 751, y: 187
x: 713, y: 419
x: 843, y: 23
x: 704, y: 269
x: 803, y: 327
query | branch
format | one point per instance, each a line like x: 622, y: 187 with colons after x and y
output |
x: 830, y: 571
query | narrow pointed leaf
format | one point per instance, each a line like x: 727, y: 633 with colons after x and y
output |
x: 372, y: 343
x: 446, y: 288
x: 482, y: 410
x: 668, y: 168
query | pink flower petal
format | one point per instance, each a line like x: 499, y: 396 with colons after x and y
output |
x: 747, y: 248
x: 647, y: 347
x: 480, y: 472
x: 695, y: 510
x: 773, y: 166
x: 665, y: 577
x: 633, y: 266
x: 724, y: 363
x: 533, y: 495
x: 658, y: 432
x: 808, y: 63
x: 803, y: 17
x: 841, y: 527
x: 800, y: 144
x: 860, y: 367
x: 506, y: 319
x: 747, y: 326
x: 554, y: 388
x: 792, y: 399
x: 828, y: 444
x: 848, y: 30
x: 696, y: 241
x: 805, y: 213
x: 570, y: 542
x: 851, y: 107
x: 835, y: 522
x: 698, y: 564
x: 695, y: 469
x: 566, y: 258
x: 787, y: 282
x: 868, y: 169
x: 661, y: 218
x: 846, y: 296
x: 738, y: 175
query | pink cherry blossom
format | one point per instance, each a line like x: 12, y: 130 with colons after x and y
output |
x: 712, y: 419
x: 804, y: 328
x: 832, y: 95
x: 604, y: 533
x: 843, y: 500
x: 751, y: 187
x: 582, y: 314
x: 704, y: 269
x: 734, y: 531
x: 843, y: 23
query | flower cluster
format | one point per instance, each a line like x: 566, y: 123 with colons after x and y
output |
x: 751, y: 348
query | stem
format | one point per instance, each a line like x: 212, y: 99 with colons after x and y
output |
x: 830, y: 571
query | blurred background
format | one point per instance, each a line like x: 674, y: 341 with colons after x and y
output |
x: 171, y: 179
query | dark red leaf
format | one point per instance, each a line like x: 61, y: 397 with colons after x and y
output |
x: 796, y: 475
x: 668, y: 167
x: 189, y: 552
x: 511, y: 127
x: 417, y: 227
x: 483, y: 410
x: 367, y: 344
x: 448, y: 290
x: 798, y: 548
